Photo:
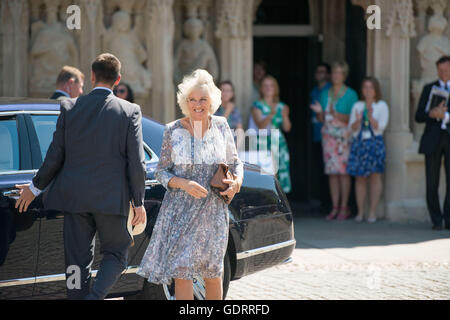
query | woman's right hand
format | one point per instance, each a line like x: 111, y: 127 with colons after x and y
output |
x: 194, y: 189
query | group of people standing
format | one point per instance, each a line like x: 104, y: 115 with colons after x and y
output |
x: 351, y: 132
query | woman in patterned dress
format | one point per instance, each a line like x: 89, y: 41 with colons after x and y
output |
x: 190, y: 235
x: 366, y: 163
x: 270, y: 113
x: 334, y: 111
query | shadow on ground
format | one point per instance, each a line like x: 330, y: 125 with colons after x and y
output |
x: 313, y: 231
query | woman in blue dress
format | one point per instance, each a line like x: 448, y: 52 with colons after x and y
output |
x: 190, y: 236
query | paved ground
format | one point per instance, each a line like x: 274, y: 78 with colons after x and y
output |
x: 347, y: 260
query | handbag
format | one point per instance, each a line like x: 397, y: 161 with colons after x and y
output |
x: 217, y: 181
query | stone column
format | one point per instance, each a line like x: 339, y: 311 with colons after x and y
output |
x: 160, y: 36
x: 334, y: 31
x: 92, y: 28
x: 14, y: 46
x: 392, y: 68
x: 235, y: 48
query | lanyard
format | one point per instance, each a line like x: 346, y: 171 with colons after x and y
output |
x: 335, y: 99
x: 366, y: 116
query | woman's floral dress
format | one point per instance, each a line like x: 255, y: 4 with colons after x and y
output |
x: 335, y: 134
x: 190, y: 235
x: 282, y: 153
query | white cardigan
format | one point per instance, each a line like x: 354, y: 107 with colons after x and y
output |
x: 380, y: 113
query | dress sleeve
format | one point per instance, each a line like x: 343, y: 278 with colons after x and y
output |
x: 235, y: 164
x: 384, y: 116
x: 163, y: 172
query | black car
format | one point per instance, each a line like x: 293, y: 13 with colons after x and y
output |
x: 261, y: 232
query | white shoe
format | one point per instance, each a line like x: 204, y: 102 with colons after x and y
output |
x: 372, y: 220
x: 359, y: 219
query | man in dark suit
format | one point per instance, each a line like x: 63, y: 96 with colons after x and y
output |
x: 94, y: 167
x: 69, y: 84
x: 435, y: 143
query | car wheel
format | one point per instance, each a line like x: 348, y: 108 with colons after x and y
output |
x: 152, y: 291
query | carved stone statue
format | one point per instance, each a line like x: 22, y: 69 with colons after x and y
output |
x: 433, y: 46
x: 123, y: 42
x: 430, y: 48
x: 53, y: 47
x: 193, y: 52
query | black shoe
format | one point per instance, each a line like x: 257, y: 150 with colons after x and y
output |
x: 437, y: 227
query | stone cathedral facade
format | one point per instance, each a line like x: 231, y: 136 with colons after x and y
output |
x: 158, y: 41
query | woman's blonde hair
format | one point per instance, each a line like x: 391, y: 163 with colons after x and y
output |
x: 276, y: 97
x: 343, y: 65
x: 199, y: 79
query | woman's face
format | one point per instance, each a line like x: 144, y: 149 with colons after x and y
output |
x: 268, y: 88
x: 368, y: 91
x: 227, y: 93
x: 338, y: 76
x: 122, y: 91
x: 199, y: 104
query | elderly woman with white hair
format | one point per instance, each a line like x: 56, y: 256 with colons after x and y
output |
x: 190, y: 235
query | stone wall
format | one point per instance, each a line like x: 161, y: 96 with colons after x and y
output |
x: 158, y: 42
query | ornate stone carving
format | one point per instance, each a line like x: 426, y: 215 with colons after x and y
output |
x: 123, y: 42
x: 430, y: 48
x: 160, y: 29
x: 193, y: 52
x: 401, y: 14
x: 433, y: 46
x: 230, y: 19
x: 52, y: 48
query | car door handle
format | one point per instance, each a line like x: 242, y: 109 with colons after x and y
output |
x: 13, y: 194
x: 152, y: 183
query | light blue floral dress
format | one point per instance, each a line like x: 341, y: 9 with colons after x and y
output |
x: 190, y: 235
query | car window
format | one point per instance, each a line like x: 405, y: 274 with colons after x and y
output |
x: 9, y: 145
x: 45, y: 126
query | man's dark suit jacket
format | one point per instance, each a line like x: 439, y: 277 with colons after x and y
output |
x: 430, y: 138
x: 96, y: 161
x: 56, y: 95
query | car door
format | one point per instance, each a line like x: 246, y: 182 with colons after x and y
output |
x: 19, y: 232
x: 51, y: 267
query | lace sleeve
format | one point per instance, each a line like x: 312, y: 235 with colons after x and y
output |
x: 233, y: 161
x: 163, y: 170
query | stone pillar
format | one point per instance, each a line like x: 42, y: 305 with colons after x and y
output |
x: 334, y: 31
x: 160, y: 36
x: 235, y: 47
x: 392, y: 68
x: 92, y: 28
x: 14, y: 46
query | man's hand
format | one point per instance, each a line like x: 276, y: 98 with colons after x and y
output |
x: 26, y: 197
x: 139, y: 215
x: 439, y: 111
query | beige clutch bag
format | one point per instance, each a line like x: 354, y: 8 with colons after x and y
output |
x: 137, y: 229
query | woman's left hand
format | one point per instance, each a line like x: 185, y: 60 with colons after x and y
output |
x: 285, y: 112
x: 232, y: 188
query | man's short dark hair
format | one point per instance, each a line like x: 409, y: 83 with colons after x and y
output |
x: 325, y: 65
x: 443, y: 59
x: 67, y: 73
x: 106, y: 68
